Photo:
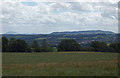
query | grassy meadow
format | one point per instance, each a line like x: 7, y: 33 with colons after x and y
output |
x: 60, y: 64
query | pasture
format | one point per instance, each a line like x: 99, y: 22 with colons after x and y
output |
x: 60, y: 64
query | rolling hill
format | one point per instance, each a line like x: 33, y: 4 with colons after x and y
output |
x: 82, y: 37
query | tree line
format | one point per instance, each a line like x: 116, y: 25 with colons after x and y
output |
x: 18, y: 45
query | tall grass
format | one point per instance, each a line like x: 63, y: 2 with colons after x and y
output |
x: 60, y: 64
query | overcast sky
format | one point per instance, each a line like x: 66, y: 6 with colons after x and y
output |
x: 47, y: 17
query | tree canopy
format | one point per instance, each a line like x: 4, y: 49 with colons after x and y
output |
x: 5, y: 42
x: 69, y: 45
x: 99, y: 46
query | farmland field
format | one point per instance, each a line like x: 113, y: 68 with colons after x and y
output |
x: 60, y: 64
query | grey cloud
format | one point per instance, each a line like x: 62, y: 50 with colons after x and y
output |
x: 23, y: 18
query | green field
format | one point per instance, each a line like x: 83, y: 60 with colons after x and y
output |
x: 60, y: 64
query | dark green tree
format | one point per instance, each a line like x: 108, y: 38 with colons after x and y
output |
x: 69, y: 45
x: 21, y: 45
x: 12, y: 45
x: 29, y: 49
x: 99, y: 46
x: 17, y: 45
x: 44, y: 46
x: 5, y: 42
x: 36, y: 47
x: 115, y: 47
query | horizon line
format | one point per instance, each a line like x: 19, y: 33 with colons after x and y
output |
x: 57, y: 31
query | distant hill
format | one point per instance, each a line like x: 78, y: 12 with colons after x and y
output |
x: 83, y: 32
x: 82, y: 37
x: 11, y: 32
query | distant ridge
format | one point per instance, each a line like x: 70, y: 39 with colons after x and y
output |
x: 84, y: 32
x: 11, y: 32
x: 82, y: 37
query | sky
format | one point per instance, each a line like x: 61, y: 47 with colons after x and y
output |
x: 45, y: 17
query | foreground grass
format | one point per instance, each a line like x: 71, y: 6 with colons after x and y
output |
x: 60, y: 64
